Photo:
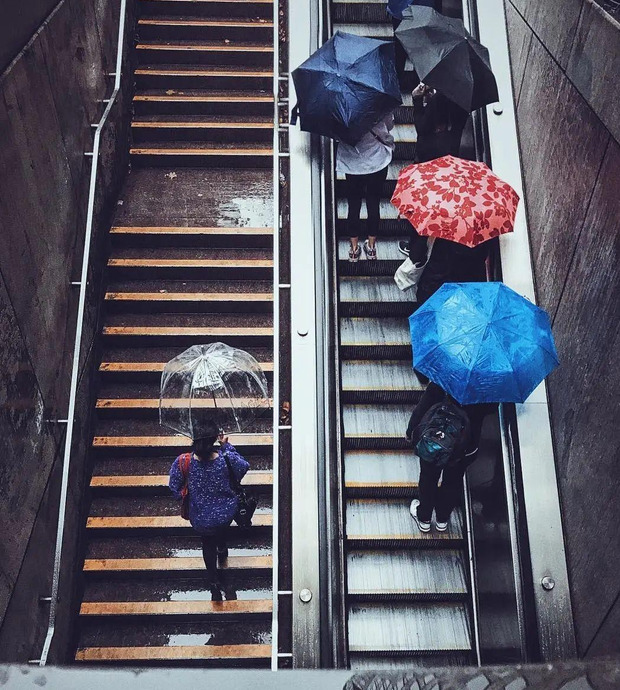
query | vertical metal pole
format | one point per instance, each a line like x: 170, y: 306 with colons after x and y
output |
x: 276, y: 338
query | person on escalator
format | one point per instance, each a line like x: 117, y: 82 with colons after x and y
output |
x: 206, y: 474
x: 439, y: 125
x: 365, y: 167
x: 445, y: 436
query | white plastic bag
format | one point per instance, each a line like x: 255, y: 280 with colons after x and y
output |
x: 408, y: 274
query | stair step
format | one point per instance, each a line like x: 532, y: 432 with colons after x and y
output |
x: 111, y: 609
x: 379, y: 381
x: 193, y: 28
x: 203, y: 104
x: 215, y: 78
x: 183, y: 268
x: 179, y: 236
x: 148, y: 408
x: 214, y: 53
x: 171, y: 566
x: 244, y: 443
x: 203, y: 131
x: 190, y: 301
x: 185, y: 653
x: 111, y: 483
x: 195, y: 155
x: 187, y: 335
x: 149, y: 370
x: 210, y: 8
x: 162, y: 522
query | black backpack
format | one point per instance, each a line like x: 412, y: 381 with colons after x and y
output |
x: 442, y: 434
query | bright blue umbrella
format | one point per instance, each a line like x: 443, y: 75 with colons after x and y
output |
x: 346, y: 87
x: 482, y: 342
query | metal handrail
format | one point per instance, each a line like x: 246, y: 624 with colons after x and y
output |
x: 62, y: 508
x: 276, y: 337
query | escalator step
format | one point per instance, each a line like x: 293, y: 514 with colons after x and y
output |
x: 380, y: 628
x: 179, y: 236
x: 113, y: 483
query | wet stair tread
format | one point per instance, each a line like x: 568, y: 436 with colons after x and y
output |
x: 382, y: 332
x: 175, y: 608
x: 195, y: 150
x: 176, y: 564
x: 188, y: 230
x: 189, y: 296
x: 161, y: 522
x: 208, y: 46
x: 150, y: 367
x: 200, y: 124
x: 195, y: 21
x: 252, y: 478
x: 189, y: 263
x: 174, y: 441
x: 206, y: 652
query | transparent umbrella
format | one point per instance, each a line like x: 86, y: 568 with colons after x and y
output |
x: 212, y: 383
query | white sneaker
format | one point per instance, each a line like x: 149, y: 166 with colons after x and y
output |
x: 441, y: 526
x: 413, y: 509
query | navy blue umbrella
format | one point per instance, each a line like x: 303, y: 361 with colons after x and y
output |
x: 346, y: 87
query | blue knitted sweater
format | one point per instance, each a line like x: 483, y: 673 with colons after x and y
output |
x: 212, y: 501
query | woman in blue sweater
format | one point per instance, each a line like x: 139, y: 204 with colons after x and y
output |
x: 212, y: 499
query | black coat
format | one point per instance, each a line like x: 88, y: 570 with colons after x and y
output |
x: 435, y: 394
x: 439, y: 125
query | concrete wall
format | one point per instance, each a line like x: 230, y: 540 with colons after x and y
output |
x: 566, y: 60
x: 48, y: 99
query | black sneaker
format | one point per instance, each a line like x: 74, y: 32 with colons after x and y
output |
x: 403, y: 247
x: 216, y: 591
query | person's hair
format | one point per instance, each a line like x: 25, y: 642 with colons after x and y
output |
x: 205, y: 445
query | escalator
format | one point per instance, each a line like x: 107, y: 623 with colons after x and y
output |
x: 410, y: 597
x: 190, y: 262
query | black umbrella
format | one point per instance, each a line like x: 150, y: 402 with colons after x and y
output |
x: 446, y: 57
x: 346, y: 87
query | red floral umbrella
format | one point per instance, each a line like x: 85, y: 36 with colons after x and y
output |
x: 455, y: 199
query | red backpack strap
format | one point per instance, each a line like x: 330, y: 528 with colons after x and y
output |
x: 184, y: 461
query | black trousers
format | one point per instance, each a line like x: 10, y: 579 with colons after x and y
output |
x: 369, y: 186
x: 442, y: 498
x: 212, y: 540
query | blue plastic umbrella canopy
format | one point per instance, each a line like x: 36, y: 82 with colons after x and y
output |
x: 482, y: 342
x: 346, y: 87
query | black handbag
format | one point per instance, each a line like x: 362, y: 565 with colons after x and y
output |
x: 247, y: 501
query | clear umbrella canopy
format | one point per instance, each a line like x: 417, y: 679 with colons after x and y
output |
x: 209, y: 383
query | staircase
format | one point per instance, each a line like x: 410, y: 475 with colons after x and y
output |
x: 191, y: 262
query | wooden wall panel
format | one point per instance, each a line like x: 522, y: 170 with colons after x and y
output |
x: 562, y: 145
x: 554, y: 23
x: 594, y: 64
x: 571, y: 169
x: 585, y: 405
x: 520, y: 42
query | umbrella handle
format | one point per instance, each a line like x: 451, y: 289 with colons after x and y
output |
x: 295, y: 114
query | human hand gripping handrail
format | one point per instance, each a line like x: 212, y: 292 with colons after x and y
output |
x: 62, y: 507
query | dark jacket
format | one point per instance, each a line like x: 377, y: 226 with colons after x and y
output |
x: 450, y: 262
x: 439, y: 125
x: 212, y: 500
x: 435, y: 394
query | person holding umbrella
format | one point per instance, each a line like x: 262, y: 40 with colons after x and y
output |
x: 433, y: 412
x: 365, y: 167
x: 481, y: 344
x: 204, y: 475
